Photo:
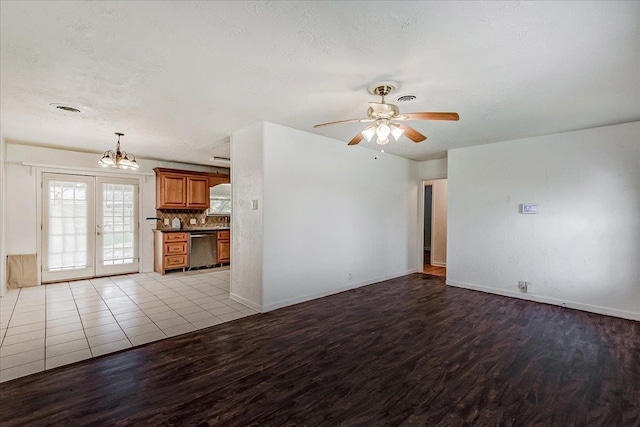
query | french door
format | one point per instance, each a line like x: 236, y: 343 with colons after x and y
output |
x: 89, y: 226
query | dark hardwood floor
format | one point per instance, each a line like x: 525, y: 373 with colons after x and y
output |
x: 408, y: 351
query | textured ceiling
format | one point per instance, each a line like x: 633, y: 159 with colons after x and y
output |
x: 179, y: 77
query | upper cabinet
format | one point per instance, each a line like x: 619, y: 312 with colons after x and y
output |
x: 177, y: 189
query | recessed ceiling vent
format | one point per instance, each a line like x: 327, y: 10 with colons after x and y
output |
x: 406, y: 98
x: 66, y: 108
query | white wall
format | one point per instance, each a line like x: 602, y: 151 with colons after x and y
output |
x: 334, y: 217
x: 3, y: 205
x: 21, y: 235
x: 432, y: 169
x: 582, y: 249
x: 246, y: 223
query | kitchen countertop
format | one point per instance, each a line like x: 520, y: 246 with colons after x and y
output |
x: 191, y: 230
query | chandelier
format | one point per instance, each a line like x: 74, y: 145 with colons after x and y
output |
x: 118, y: 159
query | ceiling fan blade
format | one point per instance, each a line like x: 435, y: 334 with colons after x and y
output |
x: 411, y: 133
x: 344, y: 121
x: 429, y: 116
x: 356, y: 139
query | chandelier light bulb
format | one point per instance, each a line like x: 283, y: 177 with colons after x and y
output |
x: 383, y: 131
x: 369, y: 132
x: 396, y: 131
x: 382, y: 141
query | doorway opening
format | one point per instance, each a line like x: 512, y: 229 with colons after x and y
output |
x: 434, y: 260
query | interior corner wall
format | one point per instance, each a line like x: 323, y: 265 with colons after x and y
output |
x: 439, y: 222
x: 3, y: 228
x: 432, y: 169
x: 581, y: 250
x: 335, y: 218
x: 246, y: 218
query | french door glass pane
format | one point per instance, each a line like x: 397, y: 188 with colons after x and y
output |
x: 67, y: 225
x: 118, y: 234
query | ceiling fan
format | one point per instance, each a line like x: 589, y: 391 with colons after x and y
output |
x: 388, y: 120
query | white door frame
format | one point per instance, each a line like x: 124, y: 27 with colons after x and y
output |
x: 420, y: 248
x: 40, y: 170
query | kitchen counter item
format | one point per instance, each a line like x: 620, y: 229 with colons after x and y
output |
x: 192, y: 230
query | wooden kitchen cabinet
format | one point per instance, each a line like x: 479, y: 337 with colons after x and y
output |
x: 177, y: 189
x: 197, y: 192
x: 171, y: 251
x: 171, y: 191
x: 224, y: 247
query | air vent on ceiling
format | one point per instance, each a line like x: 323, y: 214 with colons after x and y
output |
x: 406, y: 98
x: 65, y: 108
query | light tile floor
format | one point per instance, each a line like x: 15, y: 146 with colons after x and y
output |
x: 44, y: 327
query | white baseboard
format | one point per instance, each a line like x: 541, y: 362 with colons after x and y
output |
x: 548, y: 300
x: 438, y: 264
x: 303, y: 298
x: 245, y: 301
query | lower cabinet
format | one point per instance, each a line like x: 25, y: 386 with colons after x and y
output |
x: 171, y: 251
x: 224, y: 246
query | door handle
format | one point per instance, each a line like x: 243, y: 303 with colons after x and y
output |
x: 98, y: 233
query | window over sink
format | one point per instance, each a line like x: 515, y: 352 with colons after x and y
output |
x: 219, y: 200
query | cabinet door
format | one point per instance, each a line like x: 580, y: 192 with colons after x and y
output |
x: 172, y: 191
x: 218, y: 179
x: 197, y: 192
x: 224, y: 251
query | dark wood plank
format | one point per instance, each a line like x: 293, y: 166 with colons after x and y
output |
x: 408, y: 351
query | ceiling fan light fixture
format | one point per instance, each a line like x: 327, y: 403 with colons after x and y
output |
x: 383, y: 131
x: 369, y: 133
x: 396, y: 131
x: 382, y: 141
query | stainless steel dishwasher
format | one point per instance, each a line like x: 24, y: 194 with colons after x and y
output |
x: 202, y: 249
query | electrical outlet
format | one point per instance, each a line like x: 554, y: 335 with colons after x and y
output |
x: 192, y: 221
x: 523, y: 286
x: 166, y: 221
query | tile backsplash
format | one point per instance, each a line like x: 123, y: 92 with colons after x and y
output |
x: 186, y: 215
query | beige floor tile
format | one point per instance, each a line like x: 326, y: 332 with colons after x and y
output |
x: 205, y: 323
x: 141, y: 330
x: 131, y: 315
x: 101, y: 321
x: 110, y: 347
x: 21, y: 370
x: 212, y: 305
x: 27, y: 318
x: 64, y: 329
x: 28, y: 309
x: 27, y: 336
x: 62, y: 314
x: 102, y: 329
x: 31, y: 345
x: 163, y: 316
x: 188, y: 310
x: 17, y: 359
x: 178, y: 330
x: 169, y: 323
x: 98, y: 340
x: 63, y: 321
x: 200, y: 315
x: 68, y: 358
x: 156, y: 310
x: 138, y: 321
x: 222, y: 310
x: 232, y: 316
x: 146, y: 338
x: 63, y: 338
x: 17, y: 330
x: 67, y: 347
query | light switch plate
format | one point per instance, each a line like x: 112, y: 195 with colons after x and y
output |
x: 192, y: 221
x: 529, y: 208
x: 166, y: 221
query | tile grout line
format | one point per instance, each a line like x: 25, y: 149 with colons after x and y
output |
x: 114, y: 316
x: 80, y: 316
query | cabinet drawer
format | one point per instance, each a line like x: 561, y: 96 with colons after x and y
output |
x: 174, y: 237
x: 224, y: 235
x: 175, y: 248
x: 175, y: 261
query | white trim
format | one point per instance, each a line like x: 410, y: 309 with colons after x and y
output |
x: 244, y: 301
x: 548, y: 300
x: 97, y: 171
x: 296, y: 300
x: 439, y: 264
